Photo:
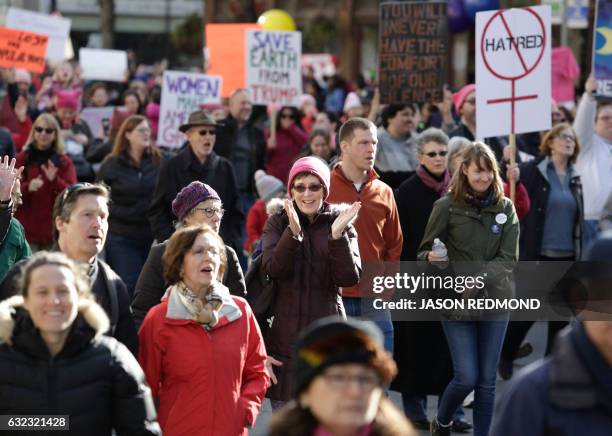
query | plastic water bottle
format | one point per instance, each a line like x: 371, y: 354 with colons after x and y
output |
x: 439, y: 249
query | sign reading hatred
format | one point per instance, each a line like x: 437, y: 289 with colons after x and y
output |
x: 182, y: 94
x: 273, y: 67
x: 413, y: 49
x: 20, y: 49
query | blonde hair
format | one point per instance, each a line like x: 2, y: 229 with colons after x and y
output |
x: 51, y: 121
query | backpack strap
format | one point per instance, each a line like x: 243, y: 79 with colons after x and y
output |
x: 108, y: 274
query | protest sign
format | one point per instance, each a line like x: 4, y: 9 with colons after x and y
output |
x: 322, y: 64
x: 513, y: 81
x: 101, y: 64
x: 602, y: 49
x: 94, y: 117
x: 19, y: 49
x: 413, y: 46
x: 273, y: 67
x: 56, y: 28
x: 183, y: 93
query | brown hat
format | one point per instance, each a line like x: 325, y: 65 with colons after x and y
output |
x: 198, y: 118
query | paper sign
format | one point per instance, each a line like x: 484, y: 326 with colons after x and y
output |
x: 413, y: 46
x: 513, y: 82
x: 101, y: 64
x: 273, y: 67
x: 93, y: 116
x: 20, y: 49
x: 182, y: 94
x: 602, y: 48
x: 322, y: 64
x: 56, y: 28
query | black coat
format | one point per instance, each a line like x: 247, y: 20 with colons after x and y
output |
x: 94, y: 379
x: 226, y: 139
x: 131, y: 194
x: 532, y: 225
x: 151, y: 284
x: 420, y: 348
x: 181, y: 170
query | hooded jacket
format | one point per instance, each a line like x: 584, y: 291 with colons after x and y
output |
x: 208, y: 382
x: 94, y: 379
x: 307, y: 276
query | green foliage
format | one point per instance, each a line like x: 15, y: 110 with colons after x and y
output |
x: 187, y: 37
x: 319, y: 37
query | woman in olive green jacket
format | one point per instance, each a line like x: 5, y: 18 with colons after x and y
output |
x: 480, y: 229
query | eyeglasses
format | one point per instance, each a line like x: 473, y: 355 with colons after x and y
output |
x: 312, y: 188
x: 203, y: 132
x: 39, y: 129
x: 567, y: 137
x: 287, y: 116
x: 339, y: 381
x: 434, y: 153
x: 211, y: 211
x: 144, y: 131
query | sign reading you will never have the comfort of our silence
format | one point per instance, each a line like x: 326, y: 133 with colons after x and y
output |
x: 413, y: 46
x: 273, y: 67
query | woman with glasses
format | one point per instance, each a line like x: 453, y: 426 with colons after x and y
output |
x: 131, y: 172
x: 552, y: 230
x: 290, y: 138
x: 309, y: 250
x: 341, y: 370
x: 196, y: 204
x: 47, y: 172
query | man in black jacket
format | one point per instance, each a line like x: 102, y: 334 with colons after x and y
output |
x: 199, y: 162
x: 80, y: 216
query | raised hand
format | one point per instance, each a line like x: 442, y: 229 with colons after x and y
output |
x: 294, y: 221
x: 21, y: 108
x: 8, y: 175
x: 50, y: 170
x: 344, y: 219
x: 591, y: 85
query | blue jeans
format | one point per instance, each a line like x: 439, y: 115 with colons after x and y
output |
x: 415, y: 408
x: 126, y: 256
x: 591, y: 232
x: 362, y: 308
x: 475, y: 347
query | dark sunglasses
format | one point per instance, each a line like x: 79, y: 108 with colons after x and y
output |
x: 39, y: 129
x: 434, y: 153
x: 287, y: 116
x: 211, y: 132
x: 302, y: 188
x: 71, y: 190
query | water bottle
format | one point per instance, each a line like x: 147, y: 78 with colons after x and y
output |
x: 439, y: 249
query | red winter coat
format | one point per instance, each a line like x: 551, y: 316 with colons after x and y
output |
x: 522, y: 204
x: 255, y: 221
x: 208, y: 382
x: 36, y: 212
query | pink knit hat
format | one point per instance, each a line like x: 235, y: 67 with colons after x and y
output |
x: 190, y: 196
x: 460, y: 96
x: 68, y: 100
x: 311, y: 165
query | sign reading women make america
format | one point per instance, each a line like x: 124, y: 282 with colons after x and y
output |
x: 273, y: 67
x: 182, y: 94
x: 513, y: 80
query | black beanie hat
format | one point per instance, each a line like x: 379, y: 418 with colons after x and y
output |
x: 331, y: 341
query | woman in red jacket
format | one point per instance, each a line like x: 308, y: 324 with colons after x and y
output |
x: 201, y: 348
x: 290, y: 138
x: 47, y: 171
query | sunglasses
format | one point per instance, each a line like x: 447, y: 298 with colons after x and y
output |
x: 203, y: 132
x: 302, y: 188
x: 39, y: 129
x: 434, y: 154
x: 287, y: 116
x: 72, y: 189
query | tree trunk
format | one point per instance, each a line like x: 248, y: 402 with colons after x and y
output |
x: 107, y: 22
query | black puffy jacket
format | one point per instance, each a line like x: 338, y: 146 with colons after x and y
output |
x: 94, y: 379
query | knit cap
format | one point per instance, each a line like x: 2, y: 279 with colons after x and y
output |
x: 190, y: 196
x: 68, y: 100
x: 460, y: 96
x: 352, y: 101
x: 267, y: 186
x: 311, y: 165
x: 23, y: 76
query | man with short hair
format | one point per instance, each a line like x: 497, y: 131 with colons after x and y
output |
x: 378, y: 226
x: 80, y: 217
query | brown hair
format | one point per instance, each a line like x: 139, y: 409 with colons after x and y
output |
x: 484, y: 159
x: 555, y: 132
x: 51, y: 121
x: 122, y: 144
x: 66, y: 201
x: 323, y: 133
x: 180, y: 243
x: 347, y: 130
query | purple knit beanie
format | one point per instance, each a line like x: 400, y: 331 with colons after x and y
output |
x: 190, y: 196
x: 311, y: 165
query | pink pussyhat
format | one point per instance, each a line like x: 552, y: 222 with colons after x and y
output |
x: 460, y: 96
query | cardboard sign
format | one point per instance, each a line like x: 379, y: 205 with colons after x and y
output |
x: 56, y: 28
x: 20, y: 49
x: 273, y: 67
x: 182, y: 94
x: 101, y: 64
x: 602, y: 48
x: 413, y: 46
x: 513, y: 82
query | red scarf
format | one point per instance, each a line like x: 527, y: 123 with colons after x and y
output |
x: 429, y: 180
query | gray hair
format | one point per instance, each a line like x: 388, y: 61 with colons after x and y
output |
x: 431, y: 135
x: 456, y: 145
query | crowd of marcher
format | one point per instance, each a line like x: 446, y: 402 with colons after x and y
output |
x: 133, y: 315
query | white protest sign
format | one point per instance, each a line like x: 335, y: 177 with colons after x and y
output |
x: 101, y: 64
x: 56, y: 28
x: 273, y: 67
x: 182, y: 94
x: 513, y: 78
x: 94, y: 117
